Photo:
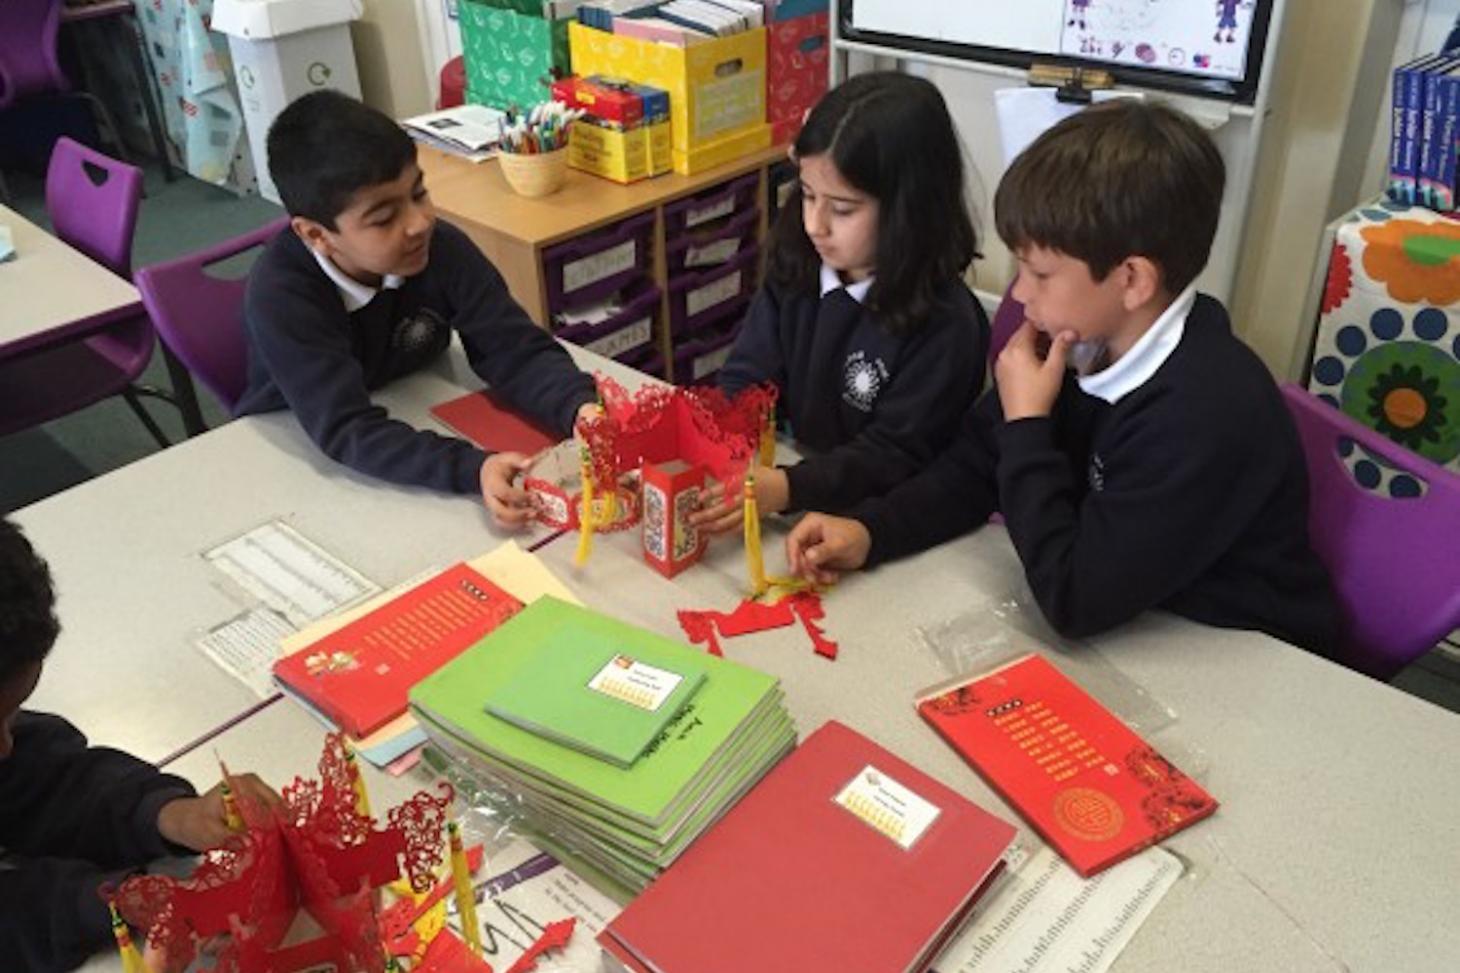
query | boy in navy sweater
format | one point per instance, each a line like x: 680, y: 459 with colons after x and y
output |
x: 1139, y: 452
x: 369, y: 286
x: 73, y: 818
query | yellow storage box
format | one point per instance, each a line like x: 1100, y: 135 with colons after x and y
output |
x: 716, y: 87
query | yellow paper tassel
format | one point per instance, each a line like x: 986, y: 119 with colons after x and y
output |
x: 768, y: 438
x: 754, y: 561
x: 466, y: 904
x: 585, y: 518
x: 231, y: 815
x: 357, y: 780
x: 131, y: 957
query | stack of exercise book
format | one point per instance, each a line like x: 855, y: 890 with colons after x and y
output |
x: 608, y: 745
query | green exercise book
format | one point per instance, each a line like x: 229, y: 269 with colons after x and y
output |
x: 715, y: 718
x: 603, y: 698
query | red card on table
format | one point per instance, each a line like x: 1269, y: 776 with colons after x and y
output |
x: 1092, y: 788
x: 486, y: 421
x: 360, y: 675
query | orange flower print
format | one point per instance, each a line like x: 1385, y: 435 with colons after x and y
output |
x: 1418, y: 263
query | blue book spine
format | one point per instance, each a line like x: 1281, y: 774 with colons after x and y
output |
x: 1413, y: 109
x: 1429, y: 145
x: 1447, y: 129
x: 1396, y: 133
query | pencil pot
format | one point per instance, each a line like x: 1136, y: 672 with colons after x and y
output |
x: 537, y: 174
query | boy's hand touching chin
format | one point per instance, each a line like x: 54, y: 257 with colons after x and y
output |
x: 1029, y: 382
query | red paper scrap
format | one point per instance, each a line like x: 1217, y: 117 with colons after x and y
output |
x: 555, y: 935
x: 706, y: 627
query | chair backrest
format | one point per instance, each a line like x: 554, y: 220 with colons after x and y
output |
x: 1007, y: 318
x: 1393, y: 560
x: 28, y: 63
x: 92, y: 200
x: 200, y: 317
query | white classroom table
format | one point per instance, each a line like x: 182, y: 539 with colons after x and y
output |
x: 133, y: 590
x: 1335, y: 848
x: 50, y: 292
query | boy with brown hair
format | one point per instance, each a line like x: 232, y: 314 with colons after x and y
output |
x: 1140, y: 454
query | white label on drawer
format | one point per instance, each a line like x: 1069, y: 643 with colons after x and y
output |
x: 712, y: 253
x: 708, y: 296
x: 622, y: 340
x: 712, y: 212
x: 712, y: 362
x: 734, y: 102
x: 600, y: 266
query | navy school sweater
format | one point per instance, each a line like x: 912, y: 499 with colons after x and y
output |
x: 72, y: 817
x: 871, y: 408
x: 1189, y: 493
x: 307, y: 353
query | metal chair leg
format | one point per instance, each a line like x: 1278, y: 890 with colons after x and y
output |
x: 136, y: 403
x: 107, y: 120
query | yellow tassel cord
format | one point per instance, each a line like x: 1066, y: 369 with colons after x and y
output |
x: 754, y: 561
x: 466, y: 905
x: 131, y: 957
x: 585, y: 515
x: 357, y: 780
x: 768, y: 438
x: 231, y: 815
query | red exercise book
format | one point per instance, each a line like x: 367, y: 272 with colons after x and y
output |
x: 844, y: 857
x: 359, y: 676
x: 1091, y: 788
x: 483, y: 419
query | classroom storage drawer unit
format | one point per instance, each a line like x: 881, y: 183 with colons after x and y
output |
x: 709, y: 205
x: 699, y: 300
x: 593, y: 266
x: 698, y: 362
x: 631, y: 329
x: 647, y: 360
x: 714, y: 246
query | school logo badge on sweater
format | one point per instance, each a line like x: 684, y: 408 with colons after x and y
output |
x: 419, y: 331
x: 862, y: 379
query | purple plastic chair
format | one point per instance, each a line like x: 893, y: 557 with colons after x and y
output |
x: 200, y: 317
x: 28, y: 62
x: 1007, y: 318
x: 92, y: 200
x: 1393, y: 561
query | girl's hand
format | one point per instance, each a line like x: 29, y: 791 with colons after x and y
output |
x: 719, y: 514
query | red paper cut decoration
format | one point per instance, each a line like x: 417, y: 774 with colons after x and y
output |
x: 318, y: 857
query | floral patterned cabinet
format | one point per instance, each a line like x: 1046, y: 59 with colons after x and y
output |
x: 1387, y: 350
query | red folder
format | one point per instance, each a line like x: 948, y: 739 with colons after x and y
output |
x: 1092, y: 788
x: 359, y: 676
x: 486, y: 421
x: 792, y: 880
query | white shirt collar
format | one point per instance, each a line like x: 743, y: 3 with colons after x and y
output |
x: 831, y: 280
x: 354, y: 294
x: 1146, y: 356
